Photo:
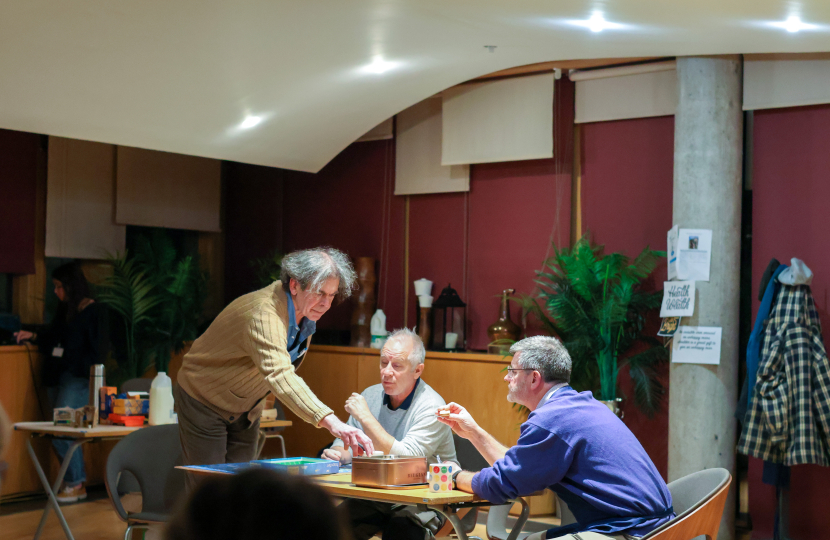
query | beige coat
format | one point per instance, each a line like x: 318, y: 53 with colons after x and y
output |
x: 243, y: 355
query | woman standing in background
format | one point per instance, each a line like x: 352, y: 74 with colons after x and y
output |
x: 73, y: 342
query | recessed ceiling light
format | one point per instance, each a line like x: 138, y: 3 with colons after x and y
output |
x: 596, y: 23
x: 379, y: 65
x: 250, y: 121
x: 793, y: 24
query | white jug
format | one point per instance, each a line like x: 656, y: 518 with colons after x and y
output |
x: 161, y: 400
x: 378, y: 328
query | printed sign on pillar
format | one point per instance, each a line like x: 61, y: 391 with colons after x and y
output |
x: 678, y: 299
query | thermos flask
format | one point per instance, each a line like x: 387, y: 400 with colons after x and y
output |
x: 96, y: 382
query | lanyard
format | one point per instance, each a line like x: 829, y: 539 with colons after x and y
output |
x: 550, y: 393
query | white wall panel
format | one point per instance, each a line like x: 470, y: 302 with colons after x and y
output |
x: 160, y: 189
x: 631, y: 96
x: 770, y: 84
x: 501, y: 120
x: 80, y: 198
x: 418, y: 166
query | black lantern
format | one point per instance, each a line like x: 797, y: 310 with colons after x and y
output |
x: 449, y: 322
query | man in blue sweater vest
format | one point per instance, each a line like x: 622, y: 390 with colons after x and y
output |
x: 570, y: 443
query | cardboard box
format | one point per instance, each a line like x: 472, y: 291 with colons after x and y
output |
x: 63, y: 416
x: 105, y: 403
x: 129, y: 407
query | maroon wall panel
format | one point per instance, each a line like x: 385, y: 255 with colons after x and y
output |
x: 349, y: 205
x: 253, y: 222
x: 516, y: 210
x: 18, y: 201
x: 627, y: 171
x: 790, y: 200
x: 436, y: 245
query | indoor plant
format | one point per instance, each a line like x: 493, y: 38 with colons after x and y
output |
x: 158, y: 296
x: 594, y: 303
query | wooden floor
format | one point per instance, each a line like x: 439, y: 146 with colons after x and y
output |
x: 94, y: 520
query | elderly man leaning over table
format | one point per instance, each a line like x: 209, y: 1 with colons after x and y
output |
x: 399, y: 416
x: 570, y: 443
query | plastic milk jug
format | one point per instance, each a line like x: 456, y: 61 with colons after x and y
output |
x: 161, y: 400
x: 378, y: 328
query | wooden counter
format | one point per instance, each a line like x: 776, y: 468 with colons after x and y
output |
x: 473, y: 380
x: 470, y: 379
x: 25, y: 401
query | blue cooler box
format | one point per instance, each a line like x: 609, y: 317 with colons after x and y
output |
x: 303, y: 466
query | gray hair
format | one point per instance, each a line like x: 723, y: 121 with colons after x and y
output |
x: 546, y: 355
x: 312, y: 267
x: 418, y: 353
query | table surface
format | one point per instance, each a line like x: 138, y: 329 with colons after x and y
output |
x: 340, y: 484
x: 274, y: 423
x: 49, y: 428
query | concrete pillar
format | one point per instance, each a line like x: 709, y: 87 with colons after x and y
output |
x: 708, y: 145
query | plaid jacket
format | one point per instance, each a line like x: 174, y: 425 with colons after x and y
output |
x: 789, y: 417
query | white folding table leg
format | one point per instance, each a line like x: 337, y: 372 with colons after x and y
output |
x: 50, y: 490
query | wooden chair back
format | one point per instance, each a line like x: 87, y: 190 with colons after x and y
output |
x: 704, y: 520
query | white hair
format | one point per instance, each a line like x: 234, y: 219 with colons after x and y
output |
x: 313, y: 267
x: 418, y: 353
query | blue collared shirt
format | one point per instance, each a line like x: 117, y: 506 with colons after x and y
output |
x: 297, y: 334
x: 406, y: 403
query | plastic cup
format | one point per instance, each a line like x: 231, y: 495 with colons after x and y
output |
x: 425, y: 301
x: 423, y: 287
x: 450, y: 340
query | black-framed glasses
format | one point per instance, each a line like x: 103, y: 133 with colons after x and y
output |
x: 512, y: 370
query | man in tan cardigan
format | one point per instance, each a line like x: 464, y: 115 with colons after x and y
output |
x: 254, y: 347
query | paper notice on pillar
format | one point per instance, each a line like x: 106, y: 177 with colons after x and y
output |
x: 678, y: 299
x: 694, y: 254
x: 669, y: 326
x: 696, y: 345
x: 671, y: 250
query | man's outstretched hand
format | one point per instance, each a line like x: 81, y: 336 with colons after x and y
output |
x: 351, y: 436
x: 458, y: 419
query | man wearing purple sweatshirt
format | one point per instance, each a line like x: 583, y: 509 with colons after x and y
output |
x: 570, y: 443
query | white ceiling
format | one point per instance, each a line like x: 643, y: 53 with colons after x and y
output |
x: 181, y: 75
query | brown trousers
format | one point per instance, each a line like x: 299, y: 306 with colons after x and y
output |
x: 209, y: 439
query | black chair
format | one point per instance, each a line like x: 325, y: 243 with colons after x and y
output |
x: 469, y: 459
x: 150, y: 454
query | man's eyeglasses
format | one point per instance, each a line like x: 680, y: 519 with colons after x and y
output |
x: 511, y: 371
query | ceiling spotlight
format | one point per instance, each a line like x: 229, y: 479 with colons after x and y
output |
x: 793, y: 24
x: 250, y: 121
x: 596, y: 23
x: 379, y: 65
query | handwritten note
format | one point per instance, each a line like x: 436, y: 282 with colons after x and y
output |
x: 696, y: 345
x: 678, y: 299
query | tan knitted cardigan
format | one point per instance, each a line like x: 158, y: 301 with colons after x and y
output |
x: 243, y: 355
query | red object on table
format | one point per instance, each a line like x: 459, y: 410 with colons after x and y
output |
x: 127, y: 421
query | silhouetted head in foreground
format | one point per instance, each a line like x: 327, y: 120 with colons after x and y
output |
x: 257, y: 505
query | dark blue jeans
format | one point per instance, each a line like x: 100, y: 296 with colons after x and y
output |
x: 70, y: 392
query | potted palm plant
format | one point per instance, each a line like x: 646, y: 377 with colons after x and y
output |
x: 158, y: 296
x: 594, y: 303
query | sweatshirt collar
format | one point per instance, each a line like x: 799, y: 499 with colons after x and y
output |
x: 407, y: 402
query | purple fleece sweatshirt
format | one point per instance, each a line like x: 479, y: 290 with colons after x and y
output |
x: 576, y: 446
